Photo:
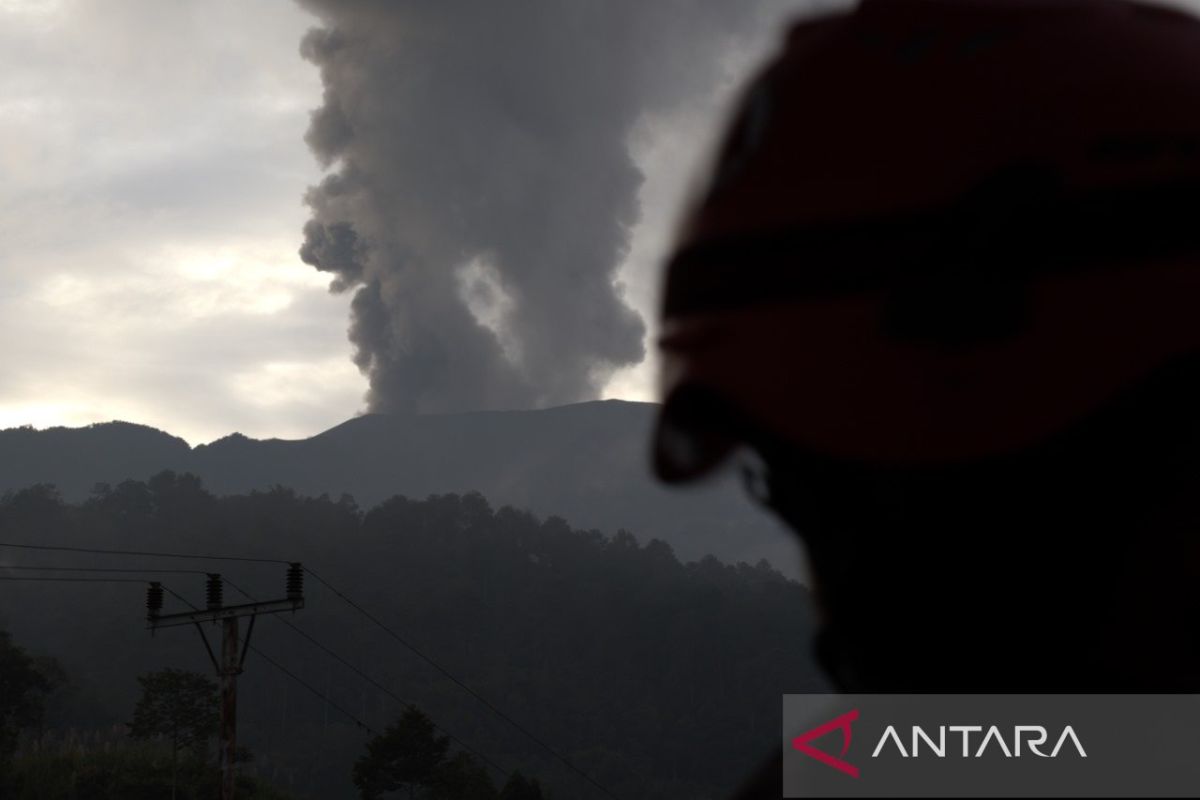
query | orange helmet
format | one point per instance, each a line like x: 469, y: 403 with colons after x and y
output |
x: 939, y: 230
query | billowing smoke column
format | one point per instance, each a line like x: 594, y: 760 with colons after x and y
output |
x: 482, y: 192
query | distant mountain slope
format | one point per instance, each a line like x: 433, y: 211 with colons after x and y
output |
x: 75, y: 459
x: 587, y: 462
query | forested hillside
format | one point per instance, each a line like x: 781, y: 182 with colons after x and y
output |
x: 662, y: 679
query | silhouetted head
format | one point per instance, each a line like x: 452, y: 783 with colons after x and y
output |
x: 944, y: 283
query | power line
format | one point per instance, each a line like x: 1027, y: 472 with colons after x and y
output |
x: 284, y: 670
x: 316, y: 692
x: 485, y: 759
x: 180, y: 597
x: 40, y: 578
x: 448, y: 675
x: 267, y: 658
x: 63, y: 548
x: 101, y: 569
x: 408, y: 645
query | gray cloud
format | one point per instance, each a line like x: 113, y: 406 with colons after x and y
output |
x: 483, y: 190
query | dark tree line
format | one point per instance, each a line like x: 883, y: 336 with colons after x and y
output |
x: 412, y: 757
x: 24, y: 684
x: 660, y: 678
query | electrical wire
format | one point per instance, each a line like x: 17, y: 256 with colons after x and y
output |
x: 317, y: 692
x: 40, y: 578
x: 63, y: 548
x: 460, y: 684
x: 364, y: 726
x: 485, y: 759
x: 404, y: 642
x: 27, y: 567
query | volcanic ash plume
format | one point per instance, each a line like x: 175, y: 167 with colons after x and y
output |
x: 482, y: 192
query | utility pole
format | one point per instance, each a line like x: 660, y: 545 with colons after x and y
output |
x: 231, y: 662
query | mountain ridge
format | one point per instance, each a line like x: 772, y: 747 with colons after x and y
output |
x: 587, y: 462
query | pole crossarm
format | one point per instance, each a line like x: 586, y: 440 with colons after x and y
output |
x: 225, y: 612
x: 231, y: 663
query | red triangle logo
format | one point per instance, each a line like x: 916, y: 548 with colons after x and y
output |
x: 842, y: 723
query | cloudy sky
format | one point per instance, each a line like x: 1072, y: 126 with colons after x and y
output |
x: 153, y: 168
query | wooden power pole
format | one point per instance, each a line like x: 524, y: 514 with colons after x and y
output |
x: 233, y: 657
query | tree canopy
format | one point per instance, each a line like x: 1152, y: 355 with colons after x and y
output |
x: 23, y: 688
x: 406, y: 756
x: 177, y: 705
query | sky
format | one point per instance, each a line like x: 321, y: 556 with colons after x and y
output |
x: 153, y: 170
x: 155, y: 158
